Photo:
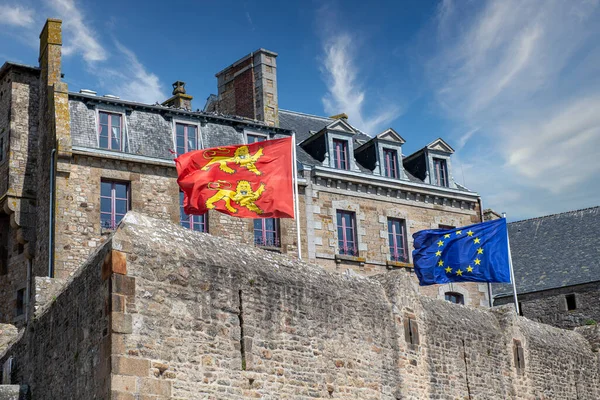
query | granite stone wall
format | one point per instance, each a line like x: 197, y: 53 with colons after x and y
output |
x: 64, y: 351
x: 550, y: 306
x: 212, y: 319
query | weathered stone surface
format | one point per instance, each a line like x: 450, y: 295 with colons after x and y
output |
x: 8, y: 334
x: 10, y: 392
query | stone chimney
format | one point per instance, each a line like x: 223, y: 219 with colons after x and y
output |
x: 180, y: 98
x: 50, y: 51
x: 248, y: 87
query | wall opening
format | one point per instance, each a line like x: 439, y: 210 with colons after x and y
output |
x: 520, y: 309
x: 411, y: 330
x: 571, y: 302
x: 454, y: 297
x: 242, y: 344
x: 519, y: 358
x: 20, y: 309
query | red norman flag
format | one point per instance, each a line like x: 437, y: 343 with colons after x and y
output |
x: 247, y: 181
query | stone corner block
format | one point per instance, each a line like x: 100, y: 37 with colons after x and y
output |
x: 115, y: 262
x: 121, y: 323
x: 123, y: 284
x: 130, y: 366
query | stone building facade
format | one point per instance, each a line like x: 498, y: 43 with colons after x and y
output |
x: 557, y: 268
x: 160, y: 312
x: 73, y: 163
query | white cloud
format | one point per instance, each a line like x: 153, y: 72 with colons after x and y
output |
x: 80, y: 38
x: 345, y: 92
x: 16, y: 15
x: 132, y: 81
x: 526, y: 74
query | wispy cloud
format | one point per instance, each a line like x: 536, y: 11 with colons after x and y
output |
x: 114, y: 67
x: 82, y: 38
x: 526, y: 74
x: 16, y: 15
x: 345, y: 91
x: 132, y: 80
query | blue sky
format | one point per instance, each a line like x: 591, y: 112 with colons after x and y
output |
x: 513, y: 86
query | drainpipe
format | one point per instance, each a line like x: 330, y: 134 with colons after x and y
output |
x: 51, y: 218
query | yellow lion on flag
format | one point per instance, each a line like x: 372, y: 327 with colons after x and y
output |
x: 243, y: 195
x: 241, y: 157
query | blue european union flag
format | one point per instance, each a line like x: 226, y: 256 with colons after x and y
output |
x: 475, y: 253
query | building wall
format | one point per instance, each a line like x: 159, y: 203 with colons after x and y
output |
x: 64, y: 353
x: 550, y: 306
x: 216, y: 319
x: 372, y: 209
x: 18, y: 189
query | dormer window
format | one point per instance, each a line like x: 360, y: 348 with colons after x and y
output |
x: 186, y: 138
x: 390, y: 163
x: 255, y: 138
x: 440, y: 172
x: 110, y: 134
x: 340, y: 154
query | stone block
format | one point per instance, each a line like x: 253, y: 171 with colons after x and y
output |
x: 118, y: 303
x: 116, y: 395
x: 130, y: 366
x: 121, y: 323
x: 122, y: 383
x: 155, y: 386
x: 123, y: 284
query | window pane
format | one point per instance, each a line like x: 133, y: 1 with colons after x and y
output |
x: 105, y: 221
x: 103, y: 131
x: 105, y: 189
x: 258, y: 224
x: 115, y: 120
x: 179, y: 128
x: 121, y: 190
x: 185, y: 223
x: 121, y: 206
x: 118, y: 218
x: 180, y: 141
x: 191, y: 141
x: 103, y: 118
x: 103, y: 142
x: 105, y: 204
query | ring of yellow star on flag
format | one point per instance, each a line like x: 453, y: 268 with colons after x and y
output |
x: 459, y: 270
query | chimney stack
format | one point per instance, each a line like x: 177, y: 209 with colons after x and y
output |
x: 248, y: 88
x: 180, y: 98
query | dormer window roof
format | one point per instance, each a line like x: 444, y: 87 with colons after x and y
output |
x: 432, y: 164
x: 383, y: 154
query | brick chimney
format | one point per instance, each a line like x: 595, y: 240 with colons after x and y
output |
x: 180, y: 98
x: 248, y: 87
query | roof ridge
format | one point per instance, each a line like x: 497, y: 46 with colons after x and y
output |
x: 554, y: 215
x: 306, y: 114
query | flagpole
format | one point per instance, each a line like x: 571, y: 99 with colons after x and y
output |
x: 296, y: 207
x: 512, y: 273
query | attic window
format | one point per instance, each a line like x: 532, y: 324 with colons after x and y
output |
x: 109, y: 131
x: 440, y: 172
x: 340, y: 154
x: 571, y: 302
x: 390, y: 163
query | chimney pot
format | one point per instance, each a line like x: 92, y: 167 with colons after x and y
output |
x: 179, y: 87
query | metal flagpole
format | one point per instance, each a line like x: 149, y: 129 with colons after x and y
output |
x: 512, y: 273
x: 296, y: 207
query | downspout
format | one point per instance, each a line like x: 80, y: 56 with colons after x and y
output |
x: 51, y: 217
x: 489, y: 285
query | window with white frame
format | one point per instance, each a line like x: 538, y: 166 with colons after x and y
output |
x: 252, y: 138
x: 194, y: 222
x: 390, y: 163
x: 186, y: 138
x: 397, y: 240
x: 440, y: 172
x: 266, y: 232
x: 340, y: 154
x: 110, y: 131
x: 346, y: 229
x: 114, y: 203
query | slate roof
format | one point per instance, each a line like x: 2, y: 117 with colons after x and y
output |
x: 306, y: 125
x: 554, y: 251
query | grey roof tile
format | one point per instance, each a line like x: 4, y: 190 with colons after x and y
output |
x: 554, y: 251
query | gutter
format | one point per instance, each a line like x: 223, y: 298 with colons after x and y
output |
x: 51, y: 216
